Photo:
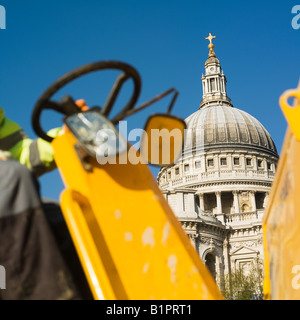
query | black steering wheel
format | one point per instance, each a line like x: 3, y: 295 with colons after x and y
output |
x: 67, y: 105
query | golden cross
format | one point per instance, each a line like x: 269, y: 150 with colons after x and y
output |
x: 210, y: 38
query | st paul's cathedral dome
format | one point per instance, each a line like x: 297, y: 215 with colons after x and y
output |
x: 219, y: 187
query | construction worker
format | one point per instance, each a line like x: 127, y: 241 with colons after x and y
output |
x: 36, y: 249
x: 37, y: 154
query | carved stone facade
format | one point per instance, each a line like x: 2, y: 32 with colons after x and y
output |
x: 220, y: 185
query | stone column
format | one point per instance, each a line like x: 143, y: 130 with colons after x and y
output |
x: 218, y: 84
x: 254, y: 160
x: 236, y: 202
x: 265, y: 162
x: 189, y: 205
x: 253, y: 202
x: 266, y: 199
x: 224, y: 87
x: 243, y: 162
x: 201, y: 200
x: 204, y: 87
x: 226, y: 255
x: 180, y: 201
x: 219, y: 202
x: 193, y: 237
x: 217, y: 163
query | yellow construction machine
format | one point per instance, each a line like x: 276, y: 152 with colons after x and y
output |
x: 129, y: 242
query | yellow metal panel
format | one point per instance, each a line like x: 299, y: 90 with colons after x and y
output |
x: 292, y: 113
x: 282, y: 224
x: 129, y: 241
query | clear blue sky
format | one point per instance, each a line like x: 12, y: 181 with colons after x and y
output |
x: 256, y: 45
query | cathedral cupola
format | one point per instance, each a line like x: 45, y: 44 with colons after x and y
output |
x: 214, y: 80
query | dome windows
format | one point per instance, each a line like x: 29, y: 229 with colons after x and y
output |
x: 197, y: 164
x: 169, y: 175
x: 248, y: 162
x: 227, y: 165
x: 260, y: 164
x: 236, y: 161
x: 223, y: 162
x: 210, y: 163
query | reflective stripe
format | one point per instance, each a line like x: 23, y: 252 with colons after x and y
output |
x: 10, y: 141
x: 37, y: 166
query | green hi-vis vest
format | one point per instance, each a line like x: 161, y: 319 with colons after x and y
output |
x: 37, y: 154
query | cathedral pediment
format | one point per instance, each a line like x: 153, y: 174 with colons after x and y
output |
x: 243, y: 250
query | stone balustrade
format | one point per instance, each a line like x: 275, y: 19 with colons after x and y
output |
x: 219, y: 175
x: 243, y: 218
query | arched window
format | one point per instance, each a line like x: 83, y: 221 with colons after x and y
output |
x: 210, y: 262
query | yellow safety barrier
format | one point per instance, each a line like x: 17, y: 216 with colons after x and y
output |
x: 281, y: 222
